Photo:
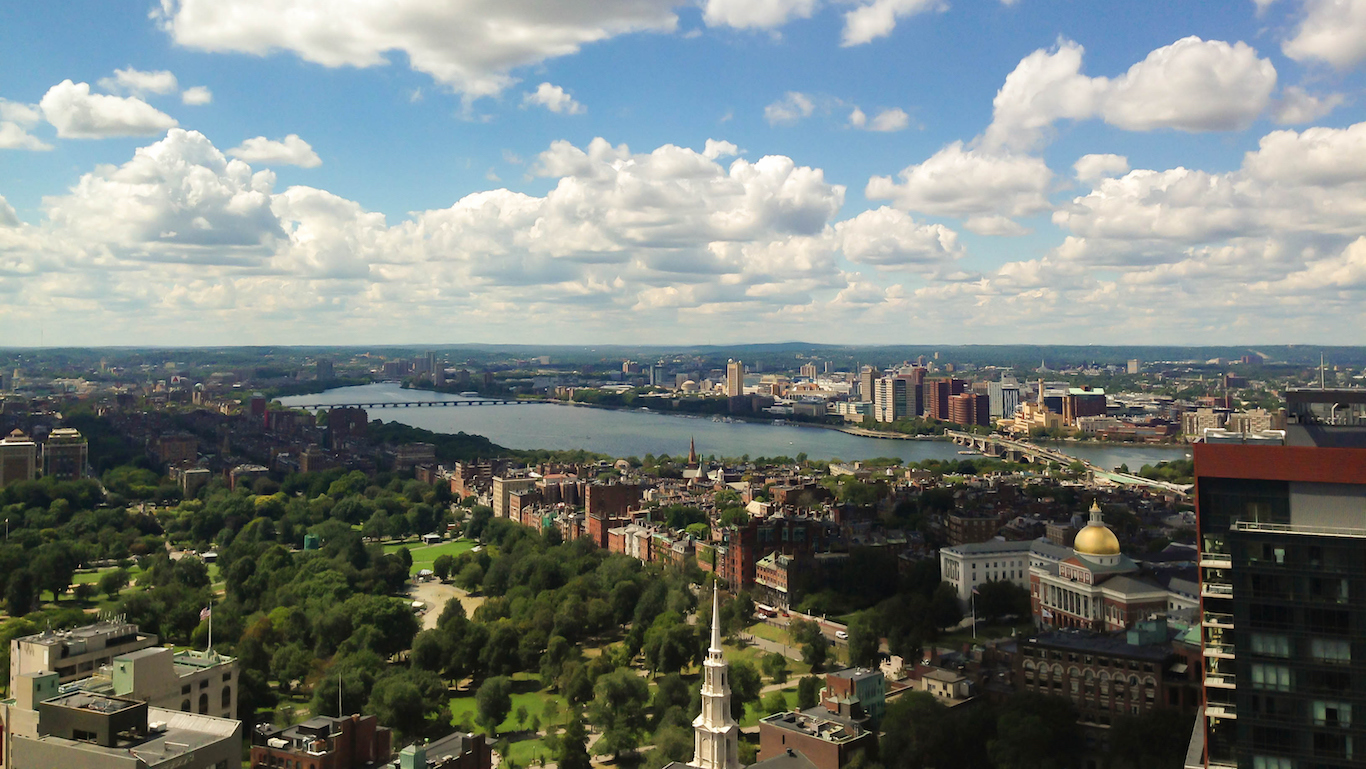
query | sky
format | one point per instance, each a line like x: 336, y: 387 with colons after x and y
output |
x: 217, y: 172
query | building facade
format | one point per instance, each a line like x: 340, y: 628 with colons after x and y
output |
x: 967, y: 566
x: 18, y: 459
x: 65, y: 454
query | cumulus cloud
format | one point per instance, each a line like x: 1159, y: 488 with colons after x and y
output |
x: 1332, y: 31
x: 1191, y: 85
x: 290, y: 151
x: 553, y: 98
x: 196, y: 96
x: 1298, y: 106
x: 886, y: 121
x: 889, y: 238
x: 470, y: 47
x: 1316, y: 156
x: 958, y: 181
x: 997, y: 226
x: 794, y: 106
x: 763, y: 14
x: 15, y: 120
x: 7, y: 216
x: 137, y: 82
x: 1089, y: 168
x: 878, y: 18
x: 76, y: 113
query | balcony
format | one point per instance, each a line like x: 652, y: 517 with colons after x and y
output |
x: 1216, y: 561
x: 1216, y: 590
x: 1219, y: 651
x: 1217, y: 619
x: 1213, y: 710
x: 1221, y: 680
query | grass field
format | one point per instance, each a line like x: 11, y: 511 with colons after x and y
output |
x: 524, y: 746
x: 985, y: 632
x: 91, y: 577
x: 425, y: 555
x: 755, y: 656
x: 755, y: 710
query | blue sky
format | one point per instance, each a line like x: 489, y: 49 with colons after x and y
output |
x: 446, y: 182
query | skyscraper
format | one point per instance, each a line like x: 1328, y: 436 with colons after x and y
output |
x: 735, y: 378
x: 891, y: 399
x: 716, y: 735
x: 1281, y: 518
x: 867, y: 384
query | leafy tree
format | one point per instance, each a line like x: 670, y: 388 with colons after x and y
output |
x: 21, y: 593
x: 774, y: 702
x: 1036, y: 730
x: 113, y: 582
x: 808, y: 692
x: 428, y: 652
x: 916, y: 733
x: 864, y: 642
x: 996, y: 600
x: 573, y: 746
x: 290, y: 663
x: 618, y: 709
x: 745, y: 685
x: 492, y: 703
x: 409, y: 700
x: 775, y: 667
x: 1153, y: 740
x: 944, y: 606
x: 442, y: 566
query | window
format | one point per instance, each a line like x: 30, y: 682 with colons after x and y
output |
x: 1271, y: 762
x: 1274, y: 678
x: 203, y: 704
x: 1335, y: 650
x: 185, y: 706
x: 1332, y: 745
x: 227, y: 696
x: 227, y: 676
x: 1332, y: 621
x: 1333, y: 714
x: 204, y: 684
x: 185, y: 689
x: 1268, y: 645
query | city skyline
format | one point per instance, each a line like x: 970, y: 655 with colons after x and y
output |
x: 249, y: 172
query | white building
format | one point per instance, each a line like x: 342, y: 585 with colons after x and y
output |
x: 967, y: 566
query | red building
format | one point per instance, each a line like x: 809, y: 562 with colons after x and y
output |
x: 605, y: 507
x: 323, y: 742
x: 970, y: 409
x: 937, y: 394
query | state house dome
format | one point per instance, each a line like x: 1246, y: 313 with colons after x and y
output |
x: 1096, y: 538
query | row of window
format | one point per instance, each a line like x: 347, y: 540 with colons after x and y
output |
x: 1335, y: 651
x: 1088, y: 659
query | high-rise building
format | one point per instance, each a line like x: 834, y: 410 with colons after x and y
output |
x: 937, y: 392
x: 1281, y: 520
x: 735, y: 379
x: 324, y: 368
x: 18, y: 459
x: 429, y: 362
x: 65, y: 454
x: 970, y: 409
x: 1134, y: 366
x: 808, y: 371
x: 890, y: 399
x: 1003, y: 399
x: 867, y: 384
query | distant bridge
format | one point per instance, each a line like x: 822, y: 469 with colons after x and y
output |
x: 413, y: 404
x: 1009, y: 449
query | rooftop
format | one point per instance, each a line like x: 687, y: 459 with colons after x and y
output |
x: 826, y: 729
x: 96, y: 703
x: 1116, y: 644
x: 857, y: 674
x: 994, y: 546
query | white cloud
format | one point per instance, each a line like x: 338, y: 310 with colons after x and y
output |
x: 1297, y: 106
x: 26, y: 115
x: 886, y: 121
x: 1333, y: 31
x: 957, y: 181
x: 714, y: 149
x: 888, y: 238
x: 137, y: 82
x: 7, y: 216
x: 78, y: 114
x: 878, y: 18
x: 197, y: 96
x: 1089, y: 168
x: 553, y: 98
x: 763, y: 14
x: 794, y: 106
x: 469, y: 47
x: 14, y: 137
x: 291, y: 151
x: 857, y: 118
x: 1190, y: 85
x: 1316, y: 156
x: 996, y: 226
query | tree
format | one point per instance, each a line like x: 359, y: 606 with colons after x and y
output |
x: 774, y: 702
x: 944, y: 606
x: 745, y: 685
x: 408, y: 700
x: 999, y: 599
x: 20, y: 593
x: 808, y: 692
x: 290, y: 663
x: 1153, y: 740
x: 428, y: 653
x: 492, y: 703
x: 521, y: 716
x: 775, y: 667
x: 916, y: 734
x: 1036, y: 730
x: 113, y: 582
x: 618, y: 709
x: 864, y: 642
x: 442, y: 566
x: 573, y: 748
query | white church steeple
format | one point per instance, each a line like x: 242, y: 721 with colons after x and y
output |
x: 717, y: 737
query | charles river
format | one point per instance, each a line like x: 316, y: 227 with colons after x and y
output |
x: 624, y: 433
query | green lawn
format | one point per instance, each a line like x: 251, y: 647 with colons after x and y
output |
x: 526, y: 693
x: 769, y: 633
x: 755, y: 656
x: 755, y: 711
x: 91, y: 577
x: 425, y: 555
x: 985, y: 632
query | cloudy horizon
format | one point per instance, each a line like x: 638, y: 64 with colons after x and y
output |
x: 654, y: 172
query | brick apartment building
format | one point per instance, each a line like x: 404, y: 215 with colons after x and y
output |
x: 323, y: 742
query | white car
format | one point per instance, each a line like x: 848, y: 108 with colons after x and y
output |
x: 840, y: 634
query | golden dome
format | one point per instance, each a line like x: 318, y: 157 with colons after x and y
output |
x: 1096, y: 538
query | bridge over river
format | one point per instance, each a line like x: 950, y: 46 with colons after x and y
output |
x: 1009, y: 449
x: 413, y: 404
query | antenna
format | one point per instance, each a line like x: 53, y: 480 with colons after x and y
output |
x: 1322, y: 386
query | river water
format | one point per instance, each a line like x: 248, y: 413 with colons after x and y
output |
x: 624, y: 433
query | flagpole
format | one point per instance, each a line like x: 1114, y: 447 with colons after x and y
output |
x: 210, y: 625
x: 974, y: 614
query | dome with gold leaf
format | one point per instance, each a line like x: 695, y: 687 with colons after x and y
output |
x: 1096, y: 538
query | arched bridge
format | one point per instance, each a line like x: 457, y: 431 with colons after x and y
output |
x: 414, y: 404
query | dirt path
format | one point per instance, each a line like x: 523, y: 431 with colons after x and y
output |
x: 435, y: 595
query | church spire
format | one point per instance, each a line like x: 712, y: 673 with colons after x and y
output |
x: 716, y: 739
x: 692, y: 452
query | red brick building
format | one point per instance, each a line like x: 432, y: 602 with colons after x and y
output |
x: 937, y: 394
x: 970, y: 409
x: 323, y: 742
x: 605, y: 508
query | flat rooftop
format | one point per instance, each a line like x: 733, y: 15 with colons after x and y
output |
x: 1114, y: 644
x: 825, y: 729
x: 92, y: 701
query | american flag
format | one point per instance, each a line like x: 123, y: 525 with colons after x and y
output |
x: 204, y: 613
